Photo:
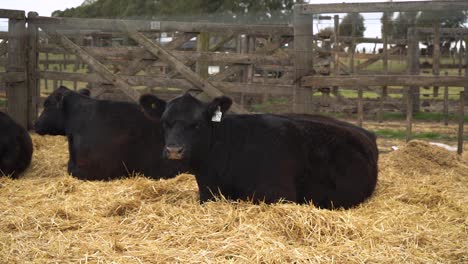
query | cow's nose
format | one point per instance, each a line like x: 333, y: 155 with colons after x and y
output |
x: 174, y: 152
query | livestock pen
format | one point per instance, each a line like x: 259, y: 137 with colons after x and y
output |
x: 417, y: 214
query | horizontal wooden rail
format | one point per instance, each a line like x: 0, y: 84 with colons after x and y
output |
x: 384, y: 80
x: 384, y: 7
x: 127, y: 53
x: 162, y: 26
x: 13, y: 14
x: 12, y: 77
x: 146, y: 80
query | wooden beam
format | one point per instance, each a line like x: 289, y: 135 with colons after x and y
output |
x: 96, y: 65
x: 303, y: 60
x: 161, y: 26
x: 3, y: 48
x: 12, y: 14
x: 158, y: 51
x: 17, y: 92
x: 32, y: 66
x: 220, y: 44
x: 12, y: 77
x: 128, y: 53
x: 138, y: 80
x: 385, y: 80
x: 376, y: 58
x: 383, y: 7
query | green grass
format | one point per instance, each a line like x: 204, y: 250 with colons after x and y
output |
x: 401, y: 134
x: 422, y: 116
x: 270, y: 104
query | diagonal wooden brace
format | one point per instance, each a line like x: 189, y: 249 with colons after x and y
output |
x: 160, y: 52
x: 97, y: 66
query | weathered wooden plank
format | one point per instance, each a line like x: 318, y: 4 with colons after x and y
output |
x: 13, y: 14
x: 17, y: 92
x: 32, y: 67
x: 220, y: 44
x: 140, y: 80
x: 409, y: 114
x: 162, y: 26
x: 212, y: 57
x: 388, y: 80
x: 158, y: 51
x: 3, y: 48
x: 12, y: 77
x: 383, y: 7
x: 436, y: 55
x: 303, y: 60
x: 461, y: 122
x: 376, y: 58
x: 97, y: 66
x: 412, y: 66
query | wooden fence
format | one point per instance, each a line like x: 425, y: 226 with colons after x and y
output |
x: 254, y: 62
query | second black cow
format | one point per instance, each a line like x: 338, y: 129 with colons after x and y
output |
x: 15, y: 147
x: 266, y: 157
x: 106, y: 139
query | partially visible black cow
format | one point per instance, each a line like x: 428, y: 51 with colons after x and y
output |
x: 15, y: 147
x: 106, y: 139
x: 266, y: 157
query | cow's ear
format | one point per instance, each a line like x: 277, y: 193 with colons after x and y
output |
x: 152, y: 107
x: 218, y: 107
x: 85, y: 92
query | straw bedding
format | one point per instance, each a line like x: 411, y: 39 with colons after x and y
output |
x: 419, y: 214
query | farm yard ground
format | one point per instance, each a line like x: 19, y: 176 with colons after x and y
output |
x: 418, y: 214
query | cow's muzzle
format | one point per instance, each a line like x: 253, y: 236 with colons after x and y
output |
x: 174, y: 152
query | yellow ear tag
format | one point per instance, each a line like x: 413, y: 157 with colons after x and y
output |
x: 153, y: 105
x: 217, y: 115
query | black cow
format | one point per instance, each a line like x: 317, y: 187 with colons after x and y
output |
x: 106, y: 139
x: 266, y: 157
x: 15, y: 147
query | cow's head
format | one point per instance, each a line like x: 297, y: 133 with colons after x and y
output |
x: 187, y: 123
x: 52, y: 119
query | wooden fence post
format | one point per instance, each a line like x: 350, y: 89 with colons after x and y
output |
x: 466, y: 66
x: 413, y: 66
x: 446, y: 102
x: 17, y: 91
x: 336, y: 57
x: 303, y: 59
x: 461, y: 121
x: 436, y: 55
x: 409, y: 114
x: 360, y: 107
x: 33, y: 82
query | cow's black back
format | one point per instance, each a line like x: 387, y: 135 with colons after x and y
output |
x: 15, y: 147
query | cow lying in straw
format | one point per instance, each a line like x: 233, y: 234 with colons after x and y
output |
x: 106, y: 139
x: 266, y: 157
x: 15, y: 147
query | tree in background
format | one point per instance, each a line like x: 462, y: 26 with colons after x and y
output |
x: 213, y: 10
x: 346, y: 25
